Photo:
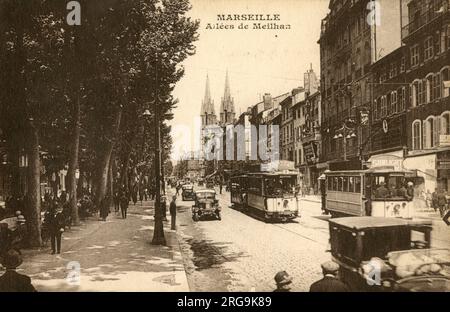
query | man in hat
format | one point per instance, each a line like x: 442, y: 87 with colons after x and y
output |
x: 283, y: 280
x: 173, y: 212
x: 382, y: 191
x: 11, y: 281
x: 56, y: 221
x: 330, y: 281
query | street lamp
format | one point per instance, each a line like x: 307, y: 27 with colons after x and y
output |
x: 346, y: 133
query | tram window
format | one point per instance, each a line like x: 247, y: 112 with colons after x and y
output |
x: 357, y: 184
x: 330, y: 184
x: 351, y: 184
x: 255, y: 186
x: 340, y: 184
x: 345, y: 184
x: 335, y: 183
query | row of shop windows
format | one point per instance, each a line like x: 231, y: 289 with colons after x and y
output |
x: 426, y: 134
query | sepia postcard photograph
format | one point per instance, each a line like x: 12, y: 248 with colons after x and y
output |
x: 226, y: 146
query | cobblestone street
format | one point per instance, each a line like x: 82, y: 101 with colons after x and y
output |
x: 241, y: 253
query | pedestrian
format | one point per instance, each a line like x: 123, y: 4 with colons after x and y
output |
x: 163, y: 208
x: 330, y: 281
x: 124, y: 205
x: 283, y: 281
x: 173, y: 213
x: 116, y: 202
x: 141, y: 195
x: 134, y: 196
x: 220, y: 187
x: 178, y: 189
x: 11, y: 281
x: 442, y: 202
x: 382, y: 191
x: 56, y: 228
x: 152, y: 193
x: 410, y: 190
x: 428, y: 199
x: 104, y: 208
x: 434, y: 200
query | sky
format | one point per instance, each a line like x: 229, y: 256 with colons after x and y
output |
x: 258, y: 60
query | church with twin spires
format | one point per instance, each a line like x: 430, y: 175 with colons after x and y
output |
x: 210, y: 125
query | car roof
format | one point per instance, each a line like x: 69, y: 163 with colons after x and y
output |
x: 371, y: 222
x: 205, y: 191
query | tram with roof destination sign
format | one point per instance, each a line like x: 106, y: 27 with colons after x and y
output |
x: 269, y: 195
x: 379, y: 192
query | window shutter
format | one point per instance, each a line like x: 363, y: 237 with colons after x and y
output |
x: 436, y: 131
x: 425, y: 135
x: 411, y: 96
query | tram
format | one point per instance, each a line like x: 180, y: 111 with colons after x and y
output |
x: 270, y: 196
x: 377, y: 192
x: 238, y: 191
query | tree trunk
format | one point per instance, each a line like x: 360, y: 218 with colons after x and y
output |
x: 158, y: 231
x: 105, y: 160
x: 111, y: 180
x: 34, y: 189
x: 73, y: 164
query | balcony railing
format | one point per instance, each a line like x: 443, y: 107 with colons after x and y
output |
x: 437, y: 10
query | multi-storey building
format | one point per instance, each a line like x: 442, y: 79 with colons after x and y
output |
x: 266, y: 125
x: 287, y: 125
x: 298, y: 113
x: 426, y: 39
x: 350, y: 43
x: 311, y: 140
x: 390, y: 94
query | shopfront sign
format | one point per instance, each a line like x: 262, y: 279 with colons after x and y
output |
x: 310, y: 151
x: 443, y: 164
x: 386, y: 160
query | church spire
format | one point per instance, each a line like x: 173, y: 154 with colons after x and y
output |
x: 227, y: 94
x: 227, y: 105
x: 207, y: 104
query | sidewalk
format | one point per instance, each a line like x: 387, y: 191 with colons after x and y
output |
x: 115, y: 255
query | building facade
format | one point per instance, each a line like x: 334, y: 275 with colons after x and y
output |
x: 426, y: 39
x: 390, y: 93
x: 287, y: 126
x: 350, y: 43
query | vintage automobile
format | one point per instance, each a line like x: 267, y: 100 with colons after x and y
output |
x: 206, y: 204
x: 388, y: 254
x: 187, y: 192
